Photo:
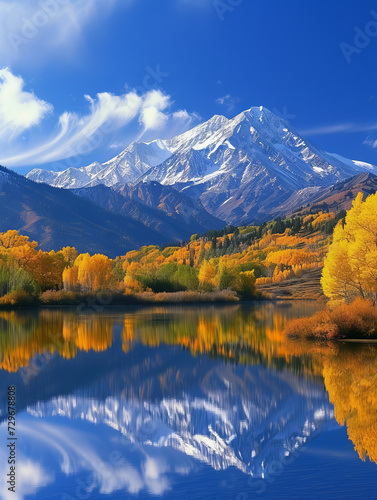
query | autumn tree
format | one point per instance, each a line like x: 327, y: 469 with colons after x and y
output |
x: 350, y: 268
x: 12, y: 239
x: 186, y: 277
x: 226, y: 276
x: 13, y: 278
x: 207, y: 274
x: 89, y: 273
x: 69, y: 254
x: 350, y: 376
x: 94, y: 272
x: 23, y: 254
x: 246, y: 284
x: 71, y: 278
x: 46, y: 268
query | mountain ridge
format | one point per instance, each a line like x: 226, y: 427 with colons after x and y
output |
x: 334, y: 198
x: 57, y: 218
x: 241, y: 169
x: 158, y: 207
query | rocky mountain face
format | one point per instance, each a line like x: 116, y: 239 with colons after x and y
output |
x: 161, y: 208
x: 245, y: 168
x: 242, y: 170
x: 334, y: 198
x: 57, y: 217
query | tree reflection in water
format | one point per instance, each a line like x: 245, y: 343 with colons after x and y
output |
x: 242, y: 335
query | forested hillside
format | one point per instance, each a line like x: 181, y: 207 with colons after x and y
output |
x: 234, y: 261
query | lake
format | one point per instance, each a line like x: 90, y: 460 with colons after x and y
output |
x: 185, y: 402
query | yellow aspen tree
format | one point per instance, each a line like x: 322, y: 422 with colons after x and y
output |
x: 350, y: 268
x: 12, y: 239
x: 94, y: 273
x: 69, y: 254
x: 207, y: 274
x: 70, y: 278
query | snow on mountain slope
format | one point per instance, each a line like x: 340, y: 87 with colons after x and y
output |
x: 197, y: 137
x: 125, y: 168
x: 129, y: 165
x: 253, y: 137
x: 241, y: 169
x: 360, y: 165
x: 249, y: 166
x: 334, y: 198
x: 69, y: 179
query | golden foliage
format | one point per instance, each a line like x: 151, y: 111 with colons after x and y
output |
x: 350, y: 379
x: 228, y: 332
x: 89, y: 273
x: 350, y: 268
x: 355, y: 320
x: 11, y: 239
x: 46, y: 268
x: 207, y: 275
x: 204, y: 264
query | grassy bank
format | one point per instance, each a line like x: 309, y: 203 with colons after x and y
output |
x: 64, y: 298
x: 304, y: 287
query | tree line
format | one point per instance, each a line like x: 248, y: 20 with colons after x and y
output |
x: 234, y: 258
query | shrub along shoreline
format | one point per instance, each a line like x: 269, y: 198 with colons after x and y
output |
x: 355, y: 321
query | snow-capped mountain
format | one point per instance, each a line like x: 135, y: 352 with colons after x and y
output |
x: 70, y: 178
x: 248, y: 166
x: 242, y: 169
x: 132, y: 163
x: 125, y: 168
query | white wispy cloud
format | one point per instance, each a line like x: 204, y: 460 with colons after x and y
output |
x: 19, y: 110
x: 369, y: 141
x: 77, y: 135
x: 338, y: 129
x: 228, y: 101
x: 47, y: 25
x: 152, y: 115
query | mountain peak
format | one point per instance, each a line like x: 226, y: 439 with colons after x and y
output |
x: 197, y: 135
x: 241, y: 169
x: 260, y: 115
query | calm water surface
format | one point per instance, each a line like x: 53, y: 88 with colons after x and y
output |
x: 185, y: 403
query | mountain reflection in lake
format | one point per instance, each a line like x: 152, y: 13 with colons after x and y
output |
x: 186, y: 402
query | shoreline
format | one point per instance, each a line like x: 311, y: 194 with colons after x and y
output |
x: 147, y: 303
x: 359, y: 341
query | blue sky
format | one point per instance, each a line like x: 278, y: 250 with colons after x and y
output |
x: 80, y: 80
